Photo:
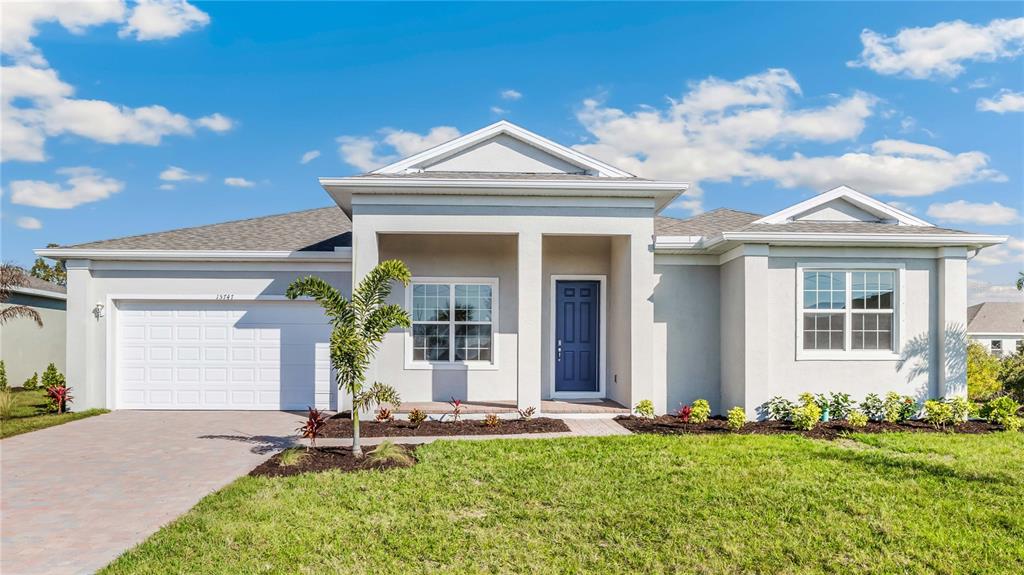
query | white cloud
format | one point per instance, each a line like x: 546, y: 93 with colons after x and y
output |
x: 166, y: 186
x: 216, y: 122
x: 510, y: 94
x: 498, y: 110
x: 364, y: 152
x: 980, y: 291
x: 309, y: 156
x: 1004, y: 101
x: 161, y: 19
x: 903, y: 206
x: 21, y: 19
x: 940, y: 50
x: 239, y: 182
x: 29, y: 223
x: 83, y: 185
x: 178, y: 174
x: 721, y: 131
x: 1012, y: 252
x: 962, y: 211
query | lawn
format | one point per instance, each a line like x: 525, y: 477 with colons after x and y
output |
x: 30, y: 414
x: 892, y: 503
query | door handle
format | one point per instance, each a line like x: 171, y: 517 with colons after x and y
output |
x: 558, y: 349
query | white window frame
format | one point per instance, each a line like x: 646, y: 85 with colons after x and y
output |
x: 452, y: 363
x: 847, y: 353
x: 992, y: 350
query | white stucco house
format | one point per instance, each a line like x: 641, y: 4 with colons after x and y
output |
x: 996, y: 325
x: 542, y: 277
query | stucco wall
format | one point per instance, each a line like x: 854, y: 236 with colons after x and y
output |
x: 686, y: 303
x: 1009, y: 341
x: 87, y: 335
x: 27, y: 348
x: 455, y: 256
x: 732, y: 337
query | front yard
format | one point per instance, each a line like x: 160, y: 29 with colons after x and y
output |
x: 889, y: 503
x: 30, y: 414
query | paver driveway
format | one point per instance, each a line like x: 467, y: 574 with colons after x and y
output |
x: 76, y: 496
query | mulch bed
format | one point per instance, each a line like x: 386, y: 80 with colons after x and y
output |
x: 320, y: 459
x: 341, y: 426
x: 672, y: 425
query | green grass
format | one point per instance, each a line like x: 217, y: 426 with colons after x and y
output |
x: 29, y: 414
x: 897, y: 503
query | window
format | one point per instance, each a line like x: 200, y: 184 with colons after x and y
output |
x: 453, y: 321
x: 848, y: 310
x: 996, y: 347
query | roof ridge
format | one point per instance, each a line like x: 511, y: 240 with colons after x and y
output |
x: 134, y: 236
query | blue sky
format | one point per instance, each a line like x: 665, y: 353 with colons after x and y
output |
x: 760, y: 105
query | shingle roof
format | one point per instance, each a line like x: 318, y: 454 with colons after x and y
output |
x: 33, y: 282
x: 846, y: 228
x: 706, y: 224
x: 996, y: 317
x: 320, y: 229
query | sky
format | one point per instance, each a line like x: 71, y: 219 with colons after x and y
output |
x: 128, y: 118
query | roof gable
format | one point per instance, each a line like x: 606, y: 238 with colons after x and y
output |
x: 845, y: 205
x: 503, y: 147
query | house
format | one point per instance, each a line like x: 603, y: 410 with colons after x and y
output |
x: 540, y: 275
x: 25, y: 347
x: 999, y: 326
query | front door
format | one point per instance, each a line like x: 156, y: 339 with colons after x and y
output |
x: 576, y: 336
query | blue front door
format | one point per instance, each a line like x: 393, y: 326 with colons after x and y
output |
x: 576, y: 335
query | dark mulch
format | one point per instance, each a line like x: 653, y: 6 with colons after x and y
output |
x: 341, y: 426
x: 320, y: 459
x: 672, y: 425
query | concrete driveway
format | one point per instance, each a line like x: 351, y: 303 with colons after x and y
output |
x: 76, y: 496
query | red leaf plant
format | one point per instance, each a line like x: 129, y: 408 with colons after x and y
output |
x: 59, y: 397
x: 684, y: 413
x: 456, y: 408
x: 314, y: 426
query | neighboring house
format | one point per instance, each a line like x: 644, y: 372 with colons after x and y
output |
x: 27, y: 348
x: 539, y: 273
x: 999, y: 326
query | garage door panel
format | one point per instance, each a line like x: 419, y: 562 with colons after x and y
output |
x: 222, y: 355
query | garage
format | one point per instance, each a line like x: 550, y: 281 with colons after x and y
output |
x: 230, y: 355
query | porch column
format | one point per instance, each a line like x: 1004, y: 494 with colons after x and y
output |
x: 641, y: 317
x: 952, y: 336
x: 365, y: 257
x: 530, y: 289
x: 84, y: 366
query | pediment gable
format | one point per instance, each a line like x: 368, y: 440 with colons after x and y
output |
x: 843, y: 205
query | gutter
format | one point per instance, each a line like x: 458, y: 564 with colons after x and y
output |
x: 338, y: 255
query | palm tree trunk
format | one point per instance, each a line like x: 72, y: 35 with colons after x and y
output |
x: 357, y: 449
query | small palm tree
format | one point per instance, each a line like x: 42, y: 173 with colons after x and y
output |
x: 12, y: 276
x: 359, y: 325
x: 1020, y: 281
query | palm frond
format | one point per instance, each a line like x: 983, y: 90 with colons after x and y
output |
x: 329, y: 297
x: 11, y: 276
x: 18, y: 311
x: 375, y: 288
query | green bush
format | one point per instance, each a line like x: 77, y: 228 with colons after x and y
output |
x: 873, y: 407
x: 1014, y: 423
x: 807, y: 398
x: 1011, y: 375
x: 806, y: 416
x: 6, y: 403
x: 3, y: 376
x: 53, y: 378
x: 840, y: 405
x: 961, y: 409
x: 982, y: 373
x: 857, y: 418
x: 32, y: 382
x: 417, y: 416
x: 645, y: 409
x: 779, y: 408
x: 938, y: 413
x: 701, y: 411
x: 737, y: 417
x: 1002, y: 411
x: 899, y: 408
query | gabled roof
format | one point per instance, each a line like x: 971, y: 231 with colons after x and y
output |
x: 883, y: 211
x: 586, y: 164
x: 996, y: 317
x: 705, y: 225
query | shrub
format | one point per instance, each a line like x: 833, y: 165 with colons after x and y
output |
x: 314, y: 426
x: 807, y: 398
x: 57, y: 398
x: 961, y: 409
x: 840, y: 405
x: 899, y: 408
x: 684, y: 413
x: 6, y: 403
x: 1014, y: 423
x: 457, y: 408
x: 779, y: 408
x: 857, y: 418
x: 492, y: 420
x: 389, y: 452
x: 873, y: 407
x: 417, y: 416
x: 982, y: 373
x: 938, y: 413
x: 3, y: 376
x: 292, y: 456
x: 1002, y: 411
x: 1011, y: 373
x: 645, y: 409
x: 821, y: 400
x: 32, y: 382
x: 527, y: 413
x: 806, y: 416
x: 384, y: 414
x: 737, y: 417
x: 52, y: 377
x: 700, y: 412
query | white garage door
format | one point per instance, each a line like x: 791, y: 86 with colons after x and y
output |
x: 222, y: 355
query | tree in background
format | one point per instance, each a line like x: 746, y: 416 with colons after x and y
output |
x: 12, y: 276
x: 44, y: 271
x: 3, y: 376
x: 982, y: 373
x: 1020, y: 281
